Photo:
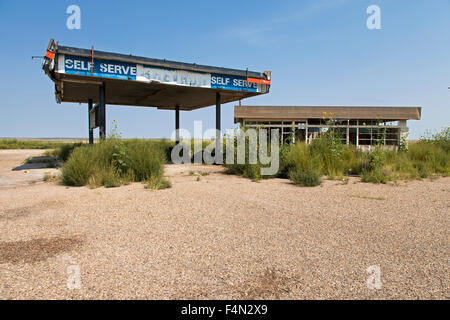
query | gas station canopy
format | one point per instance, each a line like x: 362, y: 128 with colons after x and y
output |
x: 138, y: 81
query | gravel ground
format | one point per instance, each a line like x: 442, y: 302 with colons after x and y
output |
x: 14, y: 172
x: 223, y: 237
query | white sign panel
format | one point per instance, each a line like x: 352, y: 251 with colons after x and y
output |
x: 177, y: 77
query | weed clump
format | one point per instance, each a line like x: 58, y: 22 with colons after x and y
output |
x: 304, y: 168
x: 157, y: 183
x: 113, y: 162
x: 305, y: 164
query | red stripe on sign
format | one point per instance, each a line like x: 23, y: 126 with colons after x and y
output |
x: 254, y: 80
x: 50, y: 55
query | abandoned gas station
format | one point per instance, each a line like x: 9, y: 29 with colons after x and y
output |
x: 98, y: 78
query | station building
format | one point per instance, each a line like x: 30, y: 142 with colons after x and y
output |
x: 361, y: 126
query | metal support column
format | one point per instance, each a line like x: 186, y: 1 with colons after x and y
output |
x: 348, y: 132
x: 306, y: 132
x: 403, y: 133
x: 91, y: 131
x: 357, y: 133
x: 218, y: 152
x: 293, y: 132
x: 102, y: 111
x: 177, y: 124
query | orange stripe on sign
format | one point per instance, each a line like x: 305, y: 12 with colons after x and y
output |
x: 50, y: 55
x: 254, y: 80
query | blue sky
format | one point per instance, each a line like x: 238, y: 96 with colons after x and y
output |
x: 320, y: 52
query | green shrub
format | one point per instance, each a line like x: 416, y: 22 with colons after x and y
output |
x: 328, y: 147
x: 167, y: 146
x: 306, y: 178
x: 79, y: 167
x: 375, y: 176
x: 145, y: 159
x: 354, y: 160
x: 63, y: 152
x: 157, y: 183
x: 303, y: 167
x: 403, y: 167
x: 103, y: 152
x: 283, y: 171
x: 433, y: 156
x: 441, y: 139
x: 246, y: 169
x: 113, y: 162
x: 299, y: 157
x: 377, y: 159
x: 252, y: 171
x: 109, y: 177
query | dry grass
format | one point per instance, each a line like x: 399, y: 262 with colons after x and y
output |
x: 359, y: 196
x: 51, y: 177
x: 269, y: 285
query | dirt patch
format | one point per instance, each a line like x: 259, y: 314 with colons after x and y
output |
x: 22, y: 212
x: 272, y: 284
x: 35, y: 250
x: 11, y: 214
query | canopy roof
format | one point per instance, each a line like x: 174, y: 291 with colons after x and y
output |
x: 140, y: 81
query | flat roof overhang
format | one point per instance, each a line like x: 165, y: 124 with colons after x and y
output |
x: 153, y: 83
x: 80, y: 89
x: 291, y: 113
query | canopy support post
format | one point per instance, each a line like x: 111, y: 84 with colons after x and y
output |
x: 177, y: 124
x: 102, y: 111
x: 218, y: 151
x: 91, y: 131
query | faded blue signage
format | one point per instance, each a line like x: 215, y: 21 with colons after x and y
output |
x: 82, y: 66
x: 221, y: 81
x: 102, y: 68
